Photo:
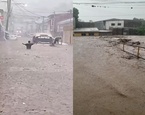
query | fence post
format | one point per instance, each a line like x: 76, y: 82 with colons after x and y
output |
x: 138, y: 53
x: 123, y: 46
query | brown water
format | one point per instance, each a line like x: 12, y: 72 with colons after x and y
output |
x: 104, y: 82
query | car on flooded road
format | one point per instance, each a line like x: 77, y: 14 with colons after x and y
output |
x: 13, y: 37
x: 42, y: 38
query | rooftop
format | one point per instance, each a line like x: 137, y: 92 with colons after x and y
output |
x: 90, y: 30
x: 114, y: 19
x: 66, y: 21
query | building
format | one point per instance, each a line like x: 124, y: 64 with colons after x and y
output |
x: 65, y: 29
x: 122, y: 26
x: 64, y: 24
x: 97, y: 24
x: 54, y: 19
x: 113, y: 23
x: 91, y: 32
x: 121, y: 23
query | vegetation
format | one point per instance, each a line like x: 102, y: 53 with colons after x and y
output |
x: 141, y: 29
x: 76, y: 16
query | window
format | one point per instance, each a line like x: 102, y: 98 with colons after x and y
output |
x: 83, y: 34
x: 119, y: 24
x: 112, y: 24
x: 91, y: 34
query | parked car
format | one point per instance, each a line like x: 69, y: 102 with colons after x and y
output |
x: 42, y: 38
x: 13, y: 37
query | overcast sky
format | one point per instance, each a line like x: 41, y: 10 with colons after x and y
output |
x: 110, y: 9
x: 44, y: 7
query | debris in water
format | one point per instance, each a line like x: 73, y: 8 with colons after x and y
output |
x: 128, y: 57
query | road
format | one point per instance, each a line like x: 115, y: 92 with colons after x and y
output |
x: 37, y: 81
x: 106, y: 83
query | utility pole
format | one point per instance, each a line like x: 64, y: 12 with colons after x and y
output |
x: 43, y: 17
x: 54, y: 25
x: 8, y: 13
x: 70, y: 26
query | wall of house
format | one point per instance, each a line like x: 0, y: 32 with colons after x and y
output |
x: 114, y: 24
x: 53, y: 22
x: 68, y: 34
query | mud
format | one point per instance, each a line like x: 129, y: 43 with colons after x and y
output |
x: 104, y: 82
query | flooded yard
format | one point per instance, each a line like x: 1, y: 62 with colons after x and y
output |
x: 105, y: 83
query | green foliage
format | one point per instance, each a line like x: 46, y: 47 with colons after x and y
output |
x: 76, y: 15
x: 141, y: 30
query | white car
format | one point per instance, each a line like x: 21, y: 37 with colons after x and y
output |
x: 42, y: 37
x: 13, y: 37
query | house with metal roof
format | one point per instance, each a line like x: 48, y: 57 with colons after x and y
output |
x: 91, y: 32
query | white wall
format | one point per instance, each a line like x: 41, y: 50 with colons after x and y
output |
x: 68, y: 36
x: 109, y: 24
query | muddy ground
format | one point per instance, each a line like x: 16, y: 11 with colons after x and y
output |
x: 106, y: 83
x: 37, y: 81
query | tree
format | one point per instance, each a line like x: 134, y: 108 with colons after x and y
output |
x: 141, y: 30
x: 76, y: 16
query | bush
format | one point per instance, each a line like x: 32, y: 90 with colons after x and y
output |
x: 141, y: 30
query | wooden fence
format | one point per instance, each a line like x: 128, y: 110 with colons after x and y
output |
x: 138, y: 50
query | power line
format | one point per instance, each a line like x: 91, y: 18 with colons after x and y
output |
x: 139, y: 2
x: 25, y: 10
x: 31, y: 12
x: 111, y: 15
x: 39, y: 12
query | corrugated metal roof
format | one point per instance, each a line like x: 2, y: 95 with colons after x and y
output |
x: 86, y: 29
x: 90, y: 30
x: 66, y: 21
x: 105, y: 30
x: 114, y: 19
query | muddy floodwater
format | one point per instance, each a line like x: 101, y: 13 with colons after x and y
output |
x: 37, y: 81
x: 105, y: 83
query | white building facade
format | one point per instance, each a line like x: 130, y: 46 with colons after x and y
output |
x: 114, y: 24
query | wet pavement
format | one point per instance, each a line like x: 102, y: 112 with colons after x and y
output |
x: 37, y: 81
x: 104, y: 82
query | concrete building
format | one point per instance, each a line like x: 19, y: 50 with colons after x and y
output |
x: 54, y: 19
x: 121, y: 23
x: 65, y: 23
x: 114, y: 24
x: 65, y: 29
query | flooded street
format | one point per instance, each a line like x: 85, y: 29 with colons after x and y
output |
x: 105, y: 83
x: 37, y: 81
